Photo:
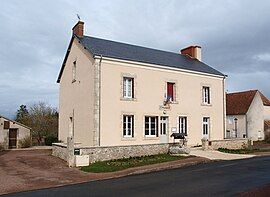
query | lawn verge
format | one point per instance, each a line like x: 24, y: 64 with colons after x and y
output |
x: 122, y: 164
x: 242, y: 151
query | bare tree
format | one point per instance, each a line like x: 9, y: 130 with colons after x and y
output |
x: 43, y: 119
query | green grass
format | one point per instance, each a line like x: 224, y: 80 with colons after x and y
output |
x: 241, y: 151
x: 235, y: 151
x: 121, y: 164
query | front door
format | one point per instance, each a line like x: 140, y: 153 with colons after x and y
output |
x: 12, y: 138
x: 206, y: 128
x: 164, y: 129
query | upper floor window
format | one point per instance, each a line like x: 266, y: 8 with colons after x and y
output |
x: 128, y: 126
x: 170, y: 91
x: 183, y: 125
x: 206, y: 95
x: 74, y: 71
x: 151, y: 126
x: 128, y: 87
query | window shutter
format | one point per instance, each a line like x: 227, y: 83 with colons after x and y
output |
x: 124, y: 87
x: 170, y: 93
x: 208, y: 95
x: 132, y: 81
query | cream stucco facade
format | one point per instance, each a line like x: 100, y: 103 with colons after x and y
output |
x: 92, y: 106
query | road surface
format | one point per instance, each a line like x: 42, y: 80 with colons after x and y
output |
x: 223, y: 178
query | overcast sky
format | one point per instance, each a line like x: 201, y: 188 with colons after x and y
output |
x: 234, y: 36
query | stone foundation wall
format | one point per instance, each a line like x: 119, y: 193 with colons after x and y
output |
x: 118, y: 152
x: 227, y: 143
x: 111, y: 152
x: 60, y: 150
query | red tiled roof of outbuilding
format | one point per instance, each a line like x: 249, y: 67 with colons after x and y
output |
x: 238, y: 103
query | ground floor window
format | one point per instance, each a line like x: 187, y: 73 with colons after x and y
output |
x: 128, y: 126
x: 183, y: 125
x: 206, y: 126
x: 151, y: 126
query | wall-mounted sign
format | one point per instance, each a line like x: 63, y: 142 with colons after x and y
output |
x: 174, y: 130
x: 77, y: 151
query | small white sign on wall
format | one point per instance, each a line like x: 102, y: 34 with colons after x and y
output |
x: 174, y: 130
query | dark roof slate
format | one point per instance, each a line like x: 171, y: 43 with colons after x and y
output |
x: 129, y: 52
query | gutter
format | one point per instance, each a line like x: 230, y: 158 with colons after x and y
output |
x: 159, y: 66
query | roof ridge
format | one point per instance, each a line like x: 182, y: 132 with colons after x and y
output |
x: 245, y: 91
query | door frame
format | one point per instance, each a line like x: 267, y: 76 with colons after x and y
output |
x: 164, y: 137
x: 15, y: 139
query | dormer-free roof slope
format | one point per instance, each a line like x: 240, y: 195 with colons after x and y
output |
x: 123, y: 51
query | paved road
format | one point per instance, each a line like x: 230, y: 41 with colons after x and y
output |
x: 224, y: 178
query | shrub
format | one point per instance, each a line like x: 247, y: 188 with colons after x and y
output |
x: 25, y: 142
x: 50, y: 139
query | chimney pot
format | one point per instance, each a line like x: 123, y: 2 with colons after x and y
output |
x: 78, y: 29
x: 193, y: 52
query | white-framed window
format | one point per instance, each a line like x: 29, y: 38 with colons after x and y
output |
x: 151, y: 126
x: 183, y: 125
x: 230, y: 120
x: 163, y: 125
x: 74, y: 71
x: 128, y: 126
x: 128, y: 87
x: 206, y: 125
x: 206, y: 95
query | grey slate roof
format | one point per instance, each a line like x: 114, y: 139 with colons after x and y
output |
x: 123, y: 51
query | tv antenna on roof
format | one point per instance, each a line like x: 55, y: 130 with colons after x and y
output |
x: 78, y: 16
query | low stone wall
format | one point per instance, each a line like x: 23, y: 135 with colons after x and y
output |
x: 60, y: 150
x: 238, y: 143
x: 117, y: 152
x: 111, y: 152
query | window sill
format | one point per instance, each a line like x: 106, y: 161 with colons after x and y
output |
x: 204, y: 104
x: 128, y: 139
x: 151, y: 138
x: 128, y: 99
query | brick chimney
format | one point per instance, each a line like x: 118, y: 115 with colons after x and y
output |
x: 78, y: 29
x: 193, y: 52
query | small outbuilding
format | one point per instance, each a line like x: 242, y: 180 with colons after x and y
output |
x: 248, y: 115
x: 11, y: 132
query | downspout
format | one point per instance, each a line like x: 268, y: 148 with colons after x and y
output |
x: 246, y: 126
x: 224, y: 108
x: 99, y: 89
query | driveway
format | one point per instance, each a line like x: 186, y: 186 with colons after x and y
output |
x: 223, y: 178
x: 30, y: 169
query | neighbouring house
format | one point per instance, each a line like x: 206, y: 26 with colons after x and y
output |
x: 248, y: 115
x: 11, y: 132
x: 117, y: 94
